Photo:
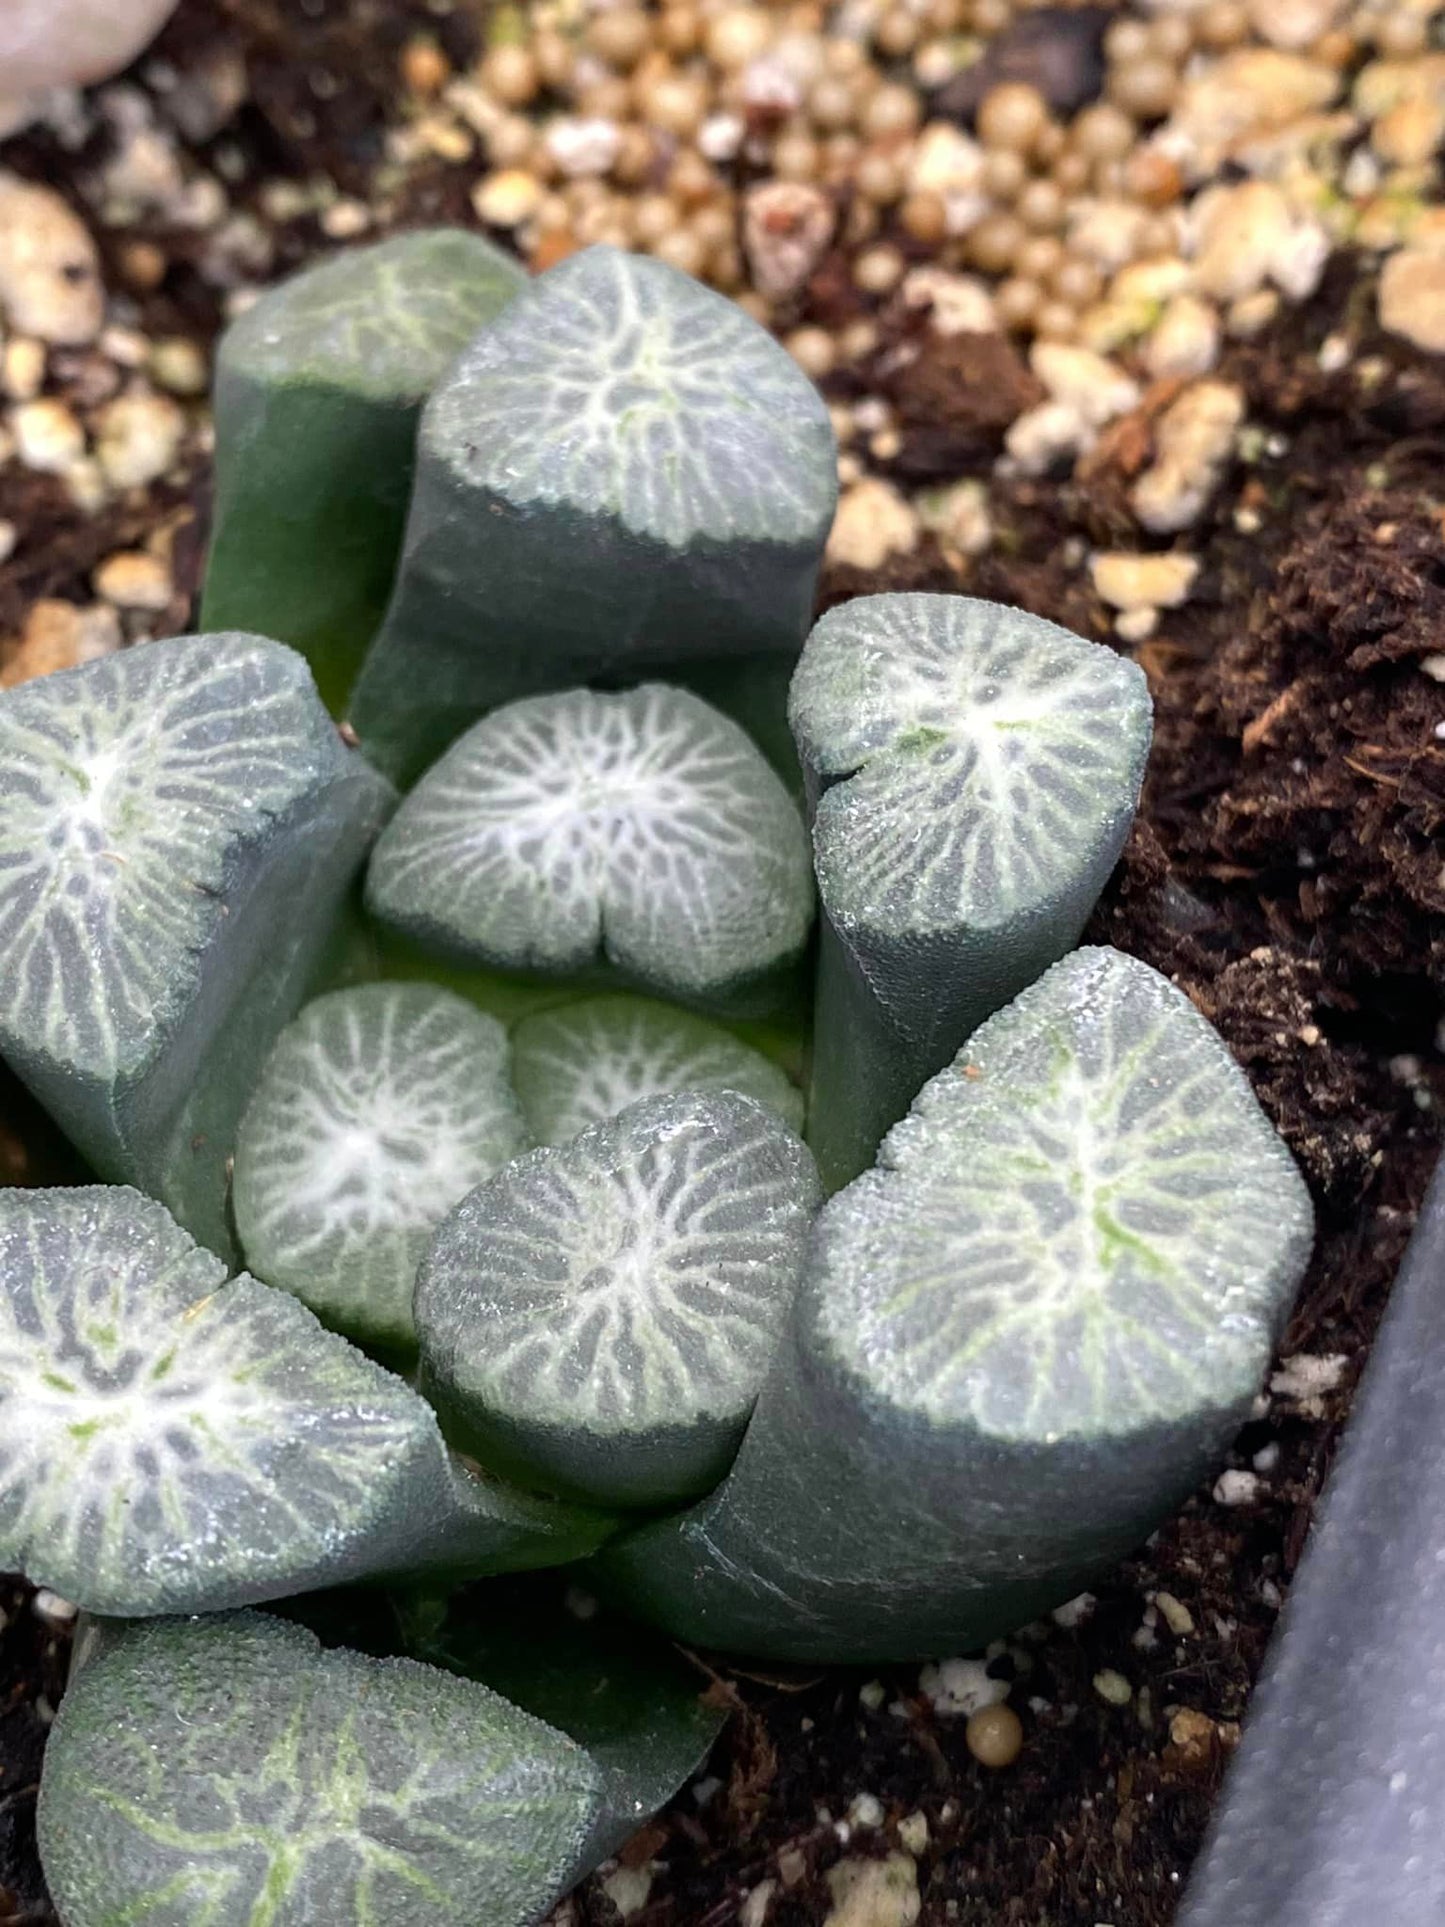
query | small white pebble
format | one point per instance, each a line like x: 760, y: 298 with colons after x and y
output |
x: 24, y: 372
x: 866, y: 1811
x: 1309, y: 1375
x: 705, y: 1791
x: 179, y: 366
x: 1237, y: 1488
x: 1136, y: 625
x: 872, y: 1694
x: 627, y: 1888
x: 1074, y: 1611
x: 1266, y: 1459
x: 50, y: 1607
x: 345, y: 219
x: 131, y: 579
x: 139, y: 437
x: 960, y: 1687
x: 582, y: 1605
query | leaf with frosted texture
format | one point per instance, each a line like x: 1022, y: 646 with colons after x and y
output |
x: 171, y: 1441
x: 641, y: 832
x: 576, y: 1066
x: 622, y: 471
x: 973, y: 772
x: 378, y: 1109
x: 1019, y: 1342
x: 178, y: 826
x: 596, y: 1320
x: 228, y: 1772
x: 319, y: 388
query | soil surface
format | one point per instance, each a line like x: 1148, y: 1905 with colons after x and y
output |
x: 1286, y: 870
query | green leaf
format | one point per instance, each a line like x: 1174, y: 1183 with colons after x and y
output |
x: 588, y: 1061
x: 597, y: 1319
x: 174, y: 1442
x: 228, y: 1772
x: 973, y: 772
x: 178, y: 828
x: 634, y: 1706
x: 640, y: 833
x: 1019, y: 1341
x: 623, y: 471
x: 319, y: 388
x: 378, y: 1109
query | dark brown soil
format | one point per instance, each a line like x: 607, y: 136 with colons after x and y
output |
x: 1286, y: 870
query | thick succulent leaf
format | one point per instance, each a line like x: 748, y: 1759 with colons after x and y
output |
x: 171, y: 1441
x: 178, y: 827
x: 378, y: 1109
x: 319, y: 388
x: 588, y: 1061
x: 637, y: 1708
x: 636, y: 428
x: 597, y: 1319
x: 1019, y: 1341
x: 228, y: 1772
x: 641, y: 831
x: 973, y: 772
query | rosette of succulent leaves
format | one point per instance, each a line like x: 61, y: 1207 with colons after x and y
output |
x: 438, y: 1069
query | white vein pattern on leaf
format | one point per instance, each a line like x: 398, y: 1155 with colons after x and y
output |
x: 378, y: 1110
x: 642, y: 826
x: 382, y: 317
x: 378, y: 1794
x: 153, y: 1417
x: 627, y: 1292
x: 119, y: 813
x: 623, y: 388
x: 579, y: 1066
x: 1082, y: 1238
x: 1018, y: 751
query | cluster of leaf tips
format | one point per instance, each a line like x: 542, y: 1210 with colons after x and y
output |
x: 475, y: 1028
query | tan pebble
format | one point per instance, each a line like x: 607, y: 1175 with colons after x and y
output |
x: 1136, y: 625
x: 507, y: 198
x: 131, y: 579
x: 143, y: 265
x: 139, y: 436
x: 786, y: 230
x: 678, y: 105
x: 1250, y: 91
x: 1146, y: 88
x: 345, y: 219
x: 49, y: 271
x: 947, y: 163
x: 1412, y: 298
x: 1239, y: 233
x: 1193, y: 1736
x: 86, y: 485
x: 1017, y: 301
x: 1410, y: 132
x: 872, y: 523
x: 179, y: 366
x: 1011, y: 116
x: 48, y: 438
x: 1194, y: 438
x: 874, y: 1893
x: 754, y: 1910
x: 1251, y: 314
x: 620, y: 35
x: 814, y: 350
x: 425, y: 69
x: 879, y: 270
x: 1185, y: 341
x: 1128, y: 581
x: 24, y: 367
x: 510, y: 74
x: 994, y: 244
x: 994, y: 1736
x: 1295, y: 25
x: 1108, y: 232
x: 58, y: 635
x: 913, y: 1833
x: 1045, y: 435
x: 737, y: 36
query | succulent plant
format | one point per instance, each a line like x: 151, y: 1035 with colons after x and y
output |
x: 878, y: 1427
x: 319, y: 388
